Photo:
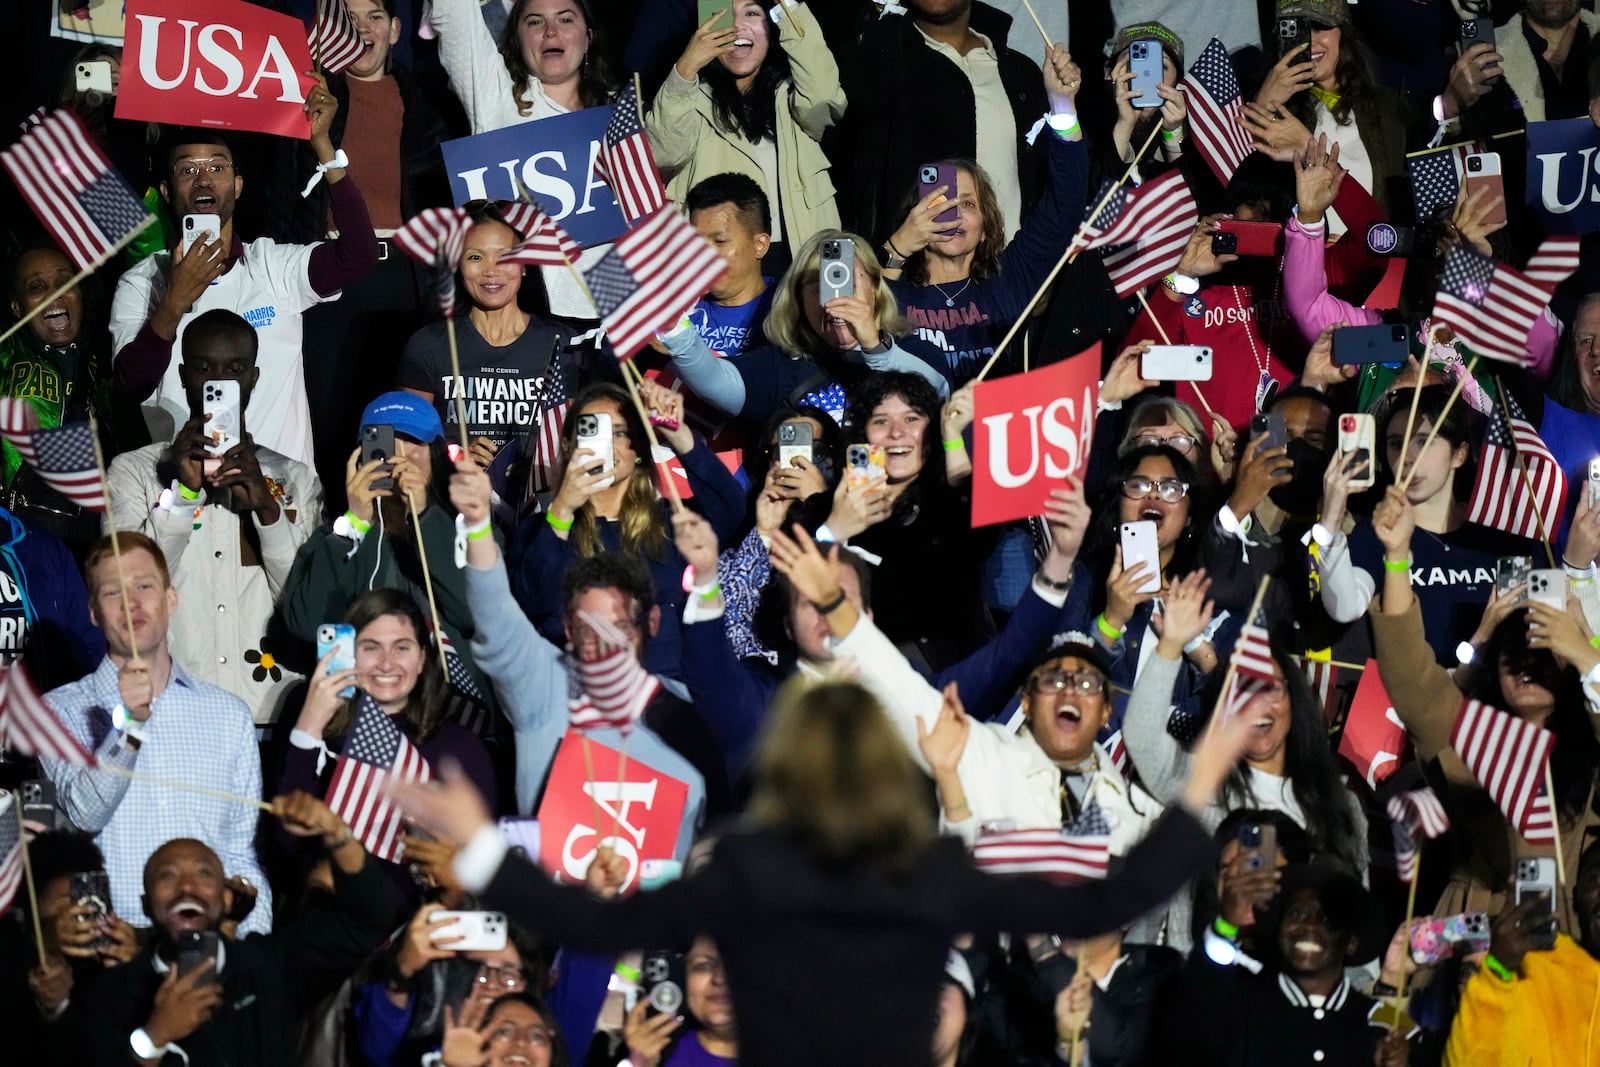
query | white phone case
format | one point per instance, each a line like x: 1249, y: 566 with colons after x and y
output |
x: 1139, y: 546
x: 1594, y: 480
x: 220, y: 402
x: 598, y: 441
x: 1176, y: 363
x: 1357, y: 432
x: 1548, y: 587
x: 194, y: 227
x: 482, y: 931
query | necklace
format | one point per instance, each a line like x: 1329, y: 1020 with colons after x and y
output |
x: 950, y: 301
x: 1266, y: 384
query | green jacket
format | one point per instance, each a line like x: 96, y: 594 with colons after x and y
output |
x: 61, y: 385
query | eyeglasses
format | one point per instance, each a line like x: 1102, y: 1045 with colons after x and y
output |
x: 1180, y: 442
x: 1169, y: 490
x: 505, y: 975
x: 1054, y: 680
x: 217, y: 168
x: 535, y: 1034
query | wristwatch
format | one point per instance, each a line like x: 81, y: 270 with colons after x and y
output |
x: 144, y: 1048
x: 1182, y: 284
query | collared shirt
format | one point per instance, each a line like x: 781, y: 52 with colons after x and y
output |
x: 997, y: 124
x: 197, y: 734
x: 1566, y: 95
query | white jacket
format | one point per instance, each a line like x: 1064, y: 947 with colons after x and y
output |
x: 1005, y: 775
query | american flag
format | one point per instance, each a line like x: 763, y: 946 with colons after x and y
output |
x: 1076, y: 853
x: 375, y: 751
x: 1436, y: 179
x: 1253, y: 668
x: 1146, y: 230
x: 69, y: 184
x: 547, y: 444
x: 31, y: 727
x: 63, y: 456
x: 1214, y: 111
x: 1501, y: 498
x: 1490, y: 306
x: 650, y: 279
x: 434, y: 236
x: 1117, y: 750
x: 334, y: 41
x: 544, y: 243
x: 34, y: 118
x: 612, y: 689
x: 1415, y: 813
x: 625, y: 162
x: 11, y: 846
x: 1323, y: 678
x: 465, y: 704
x: 1509, y: 758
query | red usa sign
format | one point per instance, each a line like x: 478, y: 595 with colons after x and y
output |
x: 639, y: 814
x: 219, y: 63
x: 1030, y: 431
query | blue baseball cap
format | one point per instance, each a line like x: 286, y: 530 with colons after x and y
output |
x: 408, y: 413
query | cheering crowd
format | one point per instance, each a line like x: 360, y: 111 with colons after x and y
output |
x: 437, y: 639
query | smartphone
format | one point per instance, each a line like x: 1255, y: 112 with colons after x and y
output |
x: 1250, y: 238
x: 1139, y: 546
x: 1176, y: 363
x: 1511, y: 572
x: 1292, y: 33
x: 1144, y: 61
x: 197, y: 227
x: 1483, y: 172
x: 377, y: 442
x: 1381, y: 343
x: 92, y: 889
x: 711, y: 7
x: 1548, y: 587
x: 1258, y: 845
x: 481, y: 931
x: 1436, y: 939
x: 1271, y: 424
x: 1480, y: 31
x: 866, y: 464
x: 1536, y: 875
x: 93, y: 77
x: 932, y: 175
x: 663, y: 981
x: 340, y: 639
x: 39, y: 803
x: 1358, y: 434
x: 219, y: 399
x: 594, y: 435
x: 1594, y: 480
x: 522, y: 835
x: 837, y: 271
x: 794, y: 442
x: 194, y: 949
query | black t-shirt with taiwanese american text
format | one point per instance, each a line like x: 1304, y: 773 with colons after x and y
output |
x: 505, y: 388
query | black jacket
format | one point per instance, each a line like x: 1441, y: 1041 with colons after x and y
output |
x: 911, y: 105
x: 269, y: 982
x: 842, y: 965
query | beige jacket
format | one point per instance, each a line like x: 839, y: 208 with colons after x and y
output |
x: 1520, y: 67
x: 690, y: 146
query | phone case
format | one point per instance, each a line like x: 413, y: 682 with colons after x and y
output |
x: 1254, y: 238
x: 92, y: 889
x: 1258, y: 842
x: 1488, y: 177
x: 1510, y: 572
x: 522, y: 834
x: 866, y: 464
x: 837, y: 271
x: 1437, y: 939
x: 377, y: 442
x: 1547, y: 586
x: 195, y: 226
x: 1293, y: 32
x: 594, y: 435
x: 1273, y: 426
x: 1144, y: 60
x: 1357, y: 433
x: 481, y: 931
x: 707, y: 8
x: 1139, y: 546
x: 663, y: 980
x: 340, y: 639
x: 1381, y: 343
x: 795, y: 440
x: 93, y: 78
x: 1479, y: 31
x: 932, y: 175
x: 195, y: 949
x: 220, y: 401
x: 1594, y: 480
x: 1176, y: 363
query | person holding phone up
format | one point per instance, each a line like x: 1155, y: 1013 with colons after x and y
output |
x: 1140, y: 108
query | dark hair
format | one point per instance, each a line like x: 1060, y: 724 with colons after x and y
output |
x: 1292, y: 843
x: 559, y: 1055
x: 915, y: 390
x: 770, y: 622
x: 1357, y: 86
x: 531, y: 293
x: 1300, y: 392
x: 1576, y: 754
x: 62, y: 852
x: 827, y: 453
x: 596, y: 81
x: 1459, y: 426
x: 175, y: 137
x: 642, y: 527
x: 1103, y: 528
x: 450, y: 981
x: 621, y: 571
x: 425, y: 706
x: 223, y: 325
x: 1263, y: 180
x: 89, y: 290
x: 1311, y: 771
x: 753, y: 112
x: 986, y: 255
x: 749, y: 200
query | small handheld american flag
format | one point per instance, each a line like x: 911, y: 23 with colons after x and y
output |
x: 1145, y: 229
x: 1508, y: 757
x: 614, y: 688
x: 434, y: 237
x: 334, y: 40
x: 1215, y: 118
x: 375, y: 751
x: 1436, y: 180
x: 544, y: 242
x: 625, y: 162
x: 30, y: 727
x: 1253, y: 668
x: 1490, y: 306
x: 650, y: 279
x: 1077, y: 853
x: 1415, y: 816
x: 11, y: 846
x: 1500, y: 497
x: 63, y: 456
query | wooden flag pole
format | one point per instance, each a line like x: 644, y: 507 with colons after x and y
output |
x: 800, y: 31
x: 116, y: 546
x: 1233, y: 660
x: 215, y: 794
x: 1066, y: 258
x: 1434, y: 431
x: 27, y: 874
x: 650, y: 432
x: 461, y: 383
x: 577, y: 275
x: 45, y: 304
x: 427, y: 579
x: 1527, y: 482
x: 1411, y: 419
x: 1555, y: 825
x: 622, y: 781
x: 588, y: 769
x: 1036, y: 21
x: 1162, y: 330
x: 1411, y: 912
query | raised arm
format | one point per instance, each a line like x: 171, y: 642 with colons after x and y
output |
x: 716, y: 381
x: 1162, y: 763
x: 816, y: 99
x: 471, y: 59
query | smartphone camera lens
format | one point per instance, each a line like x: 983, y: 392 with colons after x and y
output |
x: 830, y: 250
x: 1474, y: 163
x: 929, y: 175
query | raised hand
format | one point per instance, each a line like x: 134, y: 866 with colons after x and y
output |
x: 1122, y: 379
x: 1186, y: 612
x: 697, y: 543
x: 1291, y: 74
x: 1317, y: 178
x: 945, y: 740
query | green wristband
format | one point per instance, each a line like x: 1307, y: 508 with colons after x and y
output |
x: 359, y: 525
x: 955, y: 444
x: 1499, y: 969
x: 1111, y: 632
x: 1397, y: 566
x: 186, y: 493
x: 1226, y: 928
x: 558, y: 524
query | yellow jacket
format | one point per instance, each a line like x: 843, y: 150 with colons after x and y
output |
x: 1547, y: 1017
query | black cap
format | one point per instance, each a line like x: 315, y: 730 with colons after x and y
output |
x: 1074, y: 643
x: 1350, y: 907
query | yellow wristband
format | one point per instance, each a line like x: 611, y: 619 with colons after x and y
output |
x: 557, y: 524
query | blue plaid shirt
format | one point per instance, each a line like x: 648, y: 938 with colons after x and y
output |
x: 196, y: 733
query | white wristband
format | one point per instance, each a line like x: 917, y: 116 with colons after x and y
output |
x: 338, y: 162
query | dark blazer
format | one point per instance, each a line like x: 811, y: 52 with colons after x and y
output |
x: 269, y: 982
x: 844, y: 959
x: 911, y: 105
